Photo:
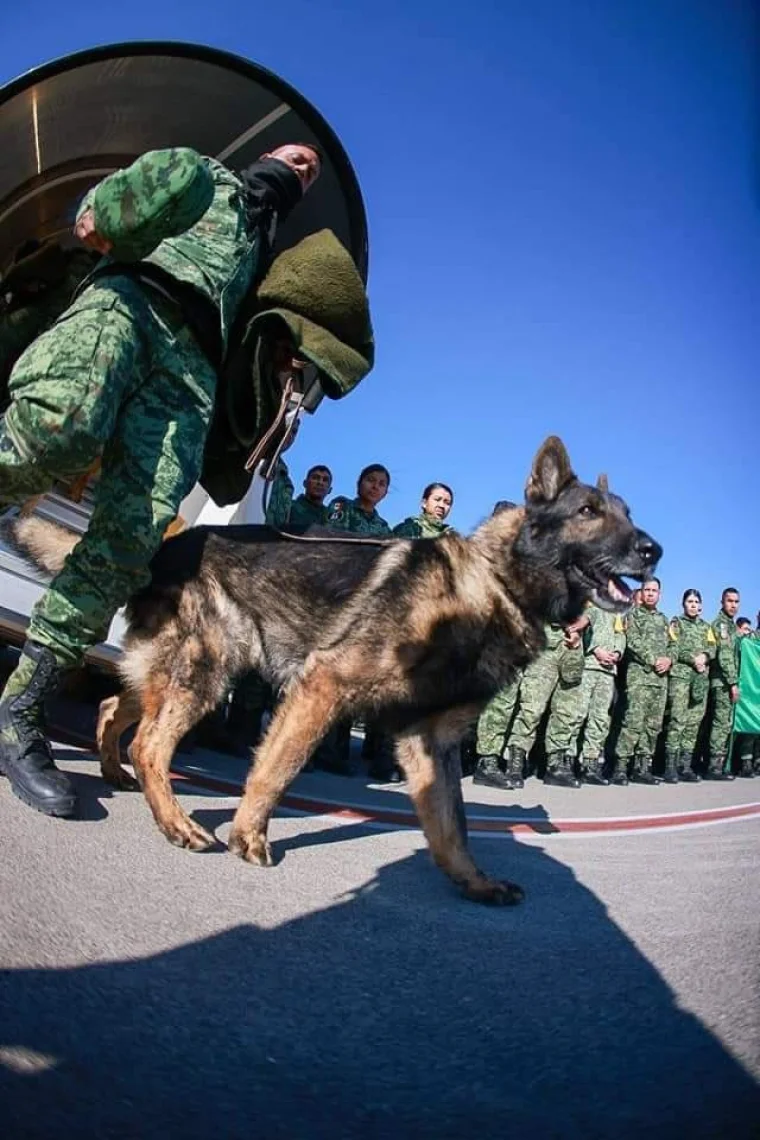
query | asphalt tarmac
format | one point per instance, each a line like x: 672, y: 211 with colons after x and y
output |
x: 350, y: 992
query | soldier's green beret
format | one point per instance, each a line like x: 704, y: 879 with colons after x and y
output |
x: 161, y: 195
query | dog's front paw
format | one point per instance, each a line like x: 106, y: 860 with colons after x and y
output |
x: 184, y: 832
x: 119, y: 777
x: 252, y: 846
x: 492, y: 892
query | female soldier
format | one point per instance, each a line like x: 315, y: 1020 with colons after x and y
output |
x: 360, y: 515
x: 693, y: 648
x: 437, y: 500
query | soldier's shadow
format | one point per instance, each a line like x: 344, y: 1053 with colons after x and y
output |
x: 399, y: 1010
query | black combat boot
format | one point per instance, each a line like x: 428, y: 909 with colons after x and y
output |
x: 593, y: 772
x: 383, y: 768
x: 559, y: 771
x: 620, y: 774
x: 642, y: 771
x: 26, y: 757
x: 488, y: 772
x: 747, y: 770
x: 671, y: 768
x: 716, y: 769
x: 515, y: 767
x: 686, y: 773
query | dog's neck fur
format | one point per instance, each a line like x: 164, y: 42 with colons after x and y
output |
x: 545, y: 596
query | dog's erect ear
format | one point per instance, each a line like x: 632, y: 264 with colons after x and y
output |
x: 602, y: 484
x: 551, y: 472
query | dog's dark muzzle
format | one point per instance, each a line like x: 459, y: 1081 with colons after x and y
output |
x: 647, y: 552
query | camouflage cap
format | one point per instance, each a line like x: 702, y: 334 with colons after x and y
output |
x: 163, y: 191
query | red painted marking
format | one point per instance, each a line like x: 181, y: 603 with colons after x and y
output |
x: 540, y: 825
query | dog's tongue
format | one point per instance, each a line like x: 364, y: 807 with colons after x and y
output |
x: 618, y: 590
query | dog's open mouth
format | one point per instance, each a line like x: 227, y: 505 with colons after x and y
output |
x: 608, y: 591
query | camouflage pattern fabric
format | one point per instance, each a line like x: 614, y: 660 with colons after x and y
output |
x: 186, y: 214
x: 27, y: 317
x: 724, y: 672
x: 280, y: 498
x: 646, y: 691
x: 593, y: 703
x: 496, y: 719
x: 347, y: 514
x: 421, y: 526
x: 554, y: 676
x: 594, y: 711
x: 118, y: 376
x: 304, y: 513
x: 687, y: 689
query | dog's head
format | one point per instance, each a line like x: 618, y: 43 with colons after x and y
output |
x: 580, y: 539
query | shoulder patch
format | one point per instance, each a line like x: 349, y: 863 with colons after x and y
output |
x: 723, y: 631
x: 619, y: 624
x: 711, y: 636
x: 673, y: 630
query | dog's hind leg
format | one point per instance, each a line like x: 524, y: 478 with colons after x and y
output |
x: 307, y: 712
x: 170, y: 709
x: 433, y: 781
x: 115, y: 716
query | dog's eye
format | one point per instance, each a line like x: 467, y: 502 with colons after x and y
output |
x: 587, y: 511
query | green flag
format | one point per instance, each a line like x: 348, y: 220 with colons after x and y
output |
x: 747, y: 710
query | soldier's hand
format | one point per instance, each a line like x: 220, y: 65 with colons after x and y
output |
x: 700, y: 662
x: 734, y: 694
x: 662, y: 664
x: 89, y: 236
x: 605, y: 656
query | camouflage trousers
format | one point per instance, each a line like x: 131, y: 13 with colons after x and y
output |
x: 541, y: 684
x: 495, y: 720
x: 642, y: 720
x: 721, y: 719
x: 593, y: 710
x: 119, y: 378
x: 685, y: 715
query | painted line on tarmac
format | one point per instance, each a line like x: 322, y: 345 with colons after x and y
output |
x: 492, y: 825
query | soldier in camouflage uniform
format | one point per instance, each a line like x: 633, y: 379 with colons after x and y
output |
x: 692, y: 649
x: 555, y: 676
x: 437, y: 500
x: 127, y: 375
x: 494, y: 724
x: 724, y: 685
x: 603, y: 649
x: 359, y: 515
x: 309, y: 509
x: 649, y: 660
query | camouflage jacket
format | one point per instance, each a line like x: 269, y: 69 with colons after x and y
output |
x: 347, y: 514
x: 186, y: 214
x: 688, y: 637
x: 647, y: 639
x: 421, y: 526
x: 606, y: 631
x: 724, y: 668
x: 305, y: 513
x: 280, y: 497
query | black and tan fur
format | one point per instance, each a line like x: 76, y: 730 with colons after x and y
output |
x: 423, y: 632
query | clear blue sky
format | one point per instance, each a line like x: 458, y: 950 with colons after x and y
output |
x: 564, y: 211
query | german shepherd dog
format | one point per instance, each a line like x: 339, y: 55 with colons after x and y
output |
x: 421, y: 632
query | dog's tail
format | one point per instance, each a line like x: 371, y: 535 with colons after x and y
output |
x: 43, y: 543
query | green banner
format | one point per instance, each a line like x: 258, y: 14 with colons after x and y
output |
x: 747, y: 710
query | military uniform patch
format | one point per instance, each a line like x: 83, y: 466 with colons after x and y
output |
x: 673, y: 630
x: 711, y: 637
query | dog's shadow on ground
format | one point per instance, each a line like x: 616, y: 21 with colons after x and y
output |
x: 395, y: 1010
